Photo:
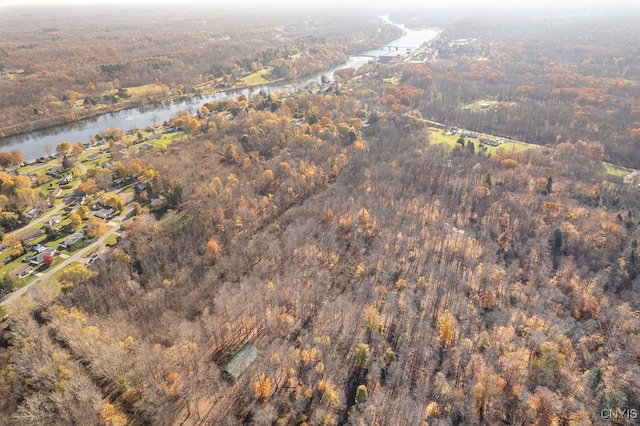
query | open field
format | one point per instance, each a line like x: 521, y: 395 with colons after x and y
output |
x: 167, y: 139
x: 148, y: 90
x: 615, y: 170
x: 255, y: 78
x: 483, y: 105
x: 438, y: 136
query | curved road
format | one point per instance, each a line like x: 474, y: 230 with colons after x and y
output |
x: 76, y: 257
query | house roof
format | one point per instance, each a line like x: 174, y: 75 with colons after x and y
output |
x: 54, y: 220
x: 38, y: 259
x: 29, y: 235
x: 240, y: 362
x: 71, y: 239
x: 20, y: 270
x: 104, y: 213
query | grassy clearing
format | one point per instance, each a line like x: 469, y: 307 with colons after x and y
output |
x: 615, y: 171
x: 21, y: 282
x: 148, y: 89
x: 437, y: 136
x: 392, y: 80
x: 11, y: 265
x: 167, y: 139
x: 39, y: 167
x: 76, y: 247
x: 483, y: 105
x: 111, y: 240
x: 256, y: 77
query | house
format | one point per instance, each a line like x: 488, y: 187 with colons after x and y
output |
x: 39, y: 248
x: 56, y: 193
x: 71, y: 240
x: 55, y: 171
x: 93, y: 157
x: 29, y: 235
x: 21, y: 271
x: 38, y: 259
x: 66, y: 180
x: 141, y: 186
x: 239, y: 363
x: 105, y: 213
x: 31, y: 214
x: 466, y: 134
x: 491, y: 142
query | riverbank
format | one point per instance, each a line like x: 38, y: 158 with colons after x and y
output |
x: 201, y: 90
x: 97, y: 111
x: 33, y: 138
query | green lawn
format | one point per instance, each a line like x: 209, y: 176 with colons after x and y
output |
x: 483, y: 105
x: 61, y: 237
x: 615, y: 171
x: 167, y: 139
x: 39, y: 167
x: 437, y: 136
x: 21, y: 282
x: 13, y: 264
x: 79, y: 245
x: 256, y: 77
x: 111, y: 240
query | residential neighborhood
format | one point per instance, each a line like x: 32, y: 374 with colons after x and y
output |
x: 80, y: 200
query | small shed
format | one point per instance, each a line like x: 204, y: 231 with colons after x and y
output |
x: 240, y: 362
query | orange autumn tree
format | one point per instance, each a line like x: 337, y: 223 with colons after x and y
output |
x: 213, y: 248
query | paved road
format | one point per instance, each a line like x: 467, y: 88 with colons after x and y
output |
x: 76, y: 257
x: 40, y: 220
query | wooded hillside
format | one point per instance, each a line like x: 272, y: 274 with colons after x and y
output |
x: 382, y: 277
x: 63, y: 64
x: 546, y: 80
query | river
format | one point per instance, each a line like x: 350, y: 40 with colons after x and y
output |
x: 32, y: 145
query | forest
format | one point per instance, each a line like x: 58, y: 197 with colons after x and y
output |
x: 547, y: 81
x: 61, y: 65
x: 375, y: 275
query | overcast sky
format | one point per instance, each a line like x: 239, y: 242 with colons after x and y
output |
x: 394, y: 3
x: 507, y: 6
